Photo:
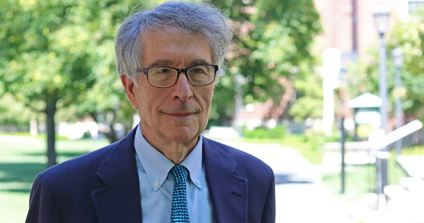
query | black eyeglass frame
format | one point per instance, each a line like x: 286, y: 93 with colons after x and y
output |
x: 146, y: 71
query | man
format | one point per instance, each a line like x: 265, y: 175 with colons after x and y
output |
x: 163, y: 171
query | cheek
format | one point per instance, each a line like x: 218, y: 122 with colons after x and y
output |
x: 206, y: 101
x: 143, y: 100
x: 146, y: 104
x: 151, y: 101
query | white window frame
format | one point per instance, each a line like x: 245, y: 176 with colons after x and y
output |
x: 415, y: 1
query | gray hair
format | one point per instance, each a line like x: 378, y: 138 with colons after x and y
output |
x: 194, y: 18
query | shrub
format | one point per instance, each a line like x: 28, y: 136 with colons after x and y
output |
x: 262, y: 133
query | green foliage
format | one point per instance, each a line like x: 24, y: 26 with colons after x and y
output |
x: 222, y: 108
x: 409, y: 37
x: 258, y: 133
x: 272, y: 39
x: 49, y: 53
x: 62, y: 52
x: 278, y: 132
x: 318, y: 139
x: 13, y: 112
x: 262, y: 133
x: 310, y: 104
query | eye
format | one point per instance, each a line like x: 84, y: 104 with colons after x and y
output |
x: 162, y: 71
x: 198, y: 70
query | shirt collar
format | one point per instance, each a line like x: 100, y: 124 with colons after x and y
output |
x: 157, y: 166
x: 193, y: 163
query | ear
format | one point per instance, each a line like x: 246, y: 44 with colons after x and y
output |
x: 130, y: 90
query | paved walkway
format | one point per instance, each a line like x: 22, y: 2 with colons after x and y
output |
x: 288, y: 165
x: 300, y: 196
x: 413, y: 165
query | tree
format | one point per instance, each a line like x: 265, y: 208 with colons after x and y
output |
x: 409, y: 36
x: 55, y: 51
x: 310, y: 104
x: 56, y: 54
x: 13, y: 112
x: 272, y: 40
x: 107, y: 105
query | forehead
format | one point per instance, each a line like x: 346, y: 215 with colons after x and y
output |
x: 174, y: 46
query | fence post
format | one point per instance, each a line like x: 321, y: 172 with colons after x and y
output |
x: 343, y: 150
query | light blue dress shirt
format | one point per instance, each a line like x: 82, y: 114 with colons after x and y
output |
x: 156, y: 183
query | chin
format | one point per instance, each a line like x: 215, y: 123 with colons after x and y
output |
x: 183, y: 135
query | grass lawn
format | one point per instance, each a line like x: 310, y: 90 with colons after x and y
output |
x: 360, y: 180
x: 413, y: 151
x: 306, y: 148
x: 21, y: 159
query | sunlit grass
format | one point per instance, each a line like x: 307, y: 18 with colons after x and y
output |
x: 414, y: 151
x: 27, y: 134
x: 360, y: 180
x: 13, y: 206
x: 21, y: 159
x: 306, y: 148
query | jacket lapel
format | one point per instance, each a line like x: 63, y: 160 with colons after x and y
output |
x: 119, y: 200
x: 228, y: 191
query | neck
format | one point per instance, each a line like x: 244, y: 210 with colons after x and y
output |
x: 174, y: 151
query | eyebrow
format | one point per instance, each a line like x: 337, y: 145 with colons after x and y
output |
x: 169, y: 62
x: 198, y: 62
x: 161, y: 62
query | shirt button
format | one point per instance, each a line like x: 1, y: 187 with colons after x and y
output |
x: 197, y: 183
x: 157, y: 183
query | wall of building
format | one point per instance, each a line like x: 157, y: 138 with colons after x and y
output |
x: 336, y: 19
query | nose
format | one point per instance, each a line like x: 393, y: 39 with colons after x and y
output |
x: 182, y: 89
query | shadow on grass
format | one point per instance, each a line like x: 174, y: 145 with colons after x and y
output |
x: 20, y: 172
x: 23, y: 173
x: 23, y: 191
x: 62, y: 154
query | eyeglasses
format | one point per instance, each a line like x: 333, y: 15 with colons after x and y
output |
x: 163, y: 76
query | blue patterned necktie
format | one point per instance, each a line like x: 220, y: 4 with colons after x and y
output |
x: 179, y: 211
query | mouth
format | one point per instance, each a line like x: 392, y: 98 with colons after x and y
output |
x: 180, y: 114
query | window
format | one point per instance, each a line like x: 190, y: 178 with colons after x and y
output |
x: 414, y: 5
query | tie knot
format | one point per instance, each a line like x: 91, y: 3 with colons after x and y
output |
x: 180, y: 174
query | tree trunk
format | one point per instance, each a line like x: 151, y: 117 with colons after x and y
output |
x: 277, y: 110
x: 110, y: 131
x: 111, y: 135
x: 51, y: 132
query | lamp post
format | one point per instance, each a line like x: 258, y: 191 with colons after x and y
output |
x: 239, y: 81
x: 382, y: 21
x: 398, y: 61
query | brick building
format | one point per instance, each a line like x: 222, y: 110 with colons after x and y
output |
x: 349, y: 24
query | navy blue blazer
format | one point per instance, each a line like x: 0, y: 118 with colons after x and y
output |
x: 103, y: 186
